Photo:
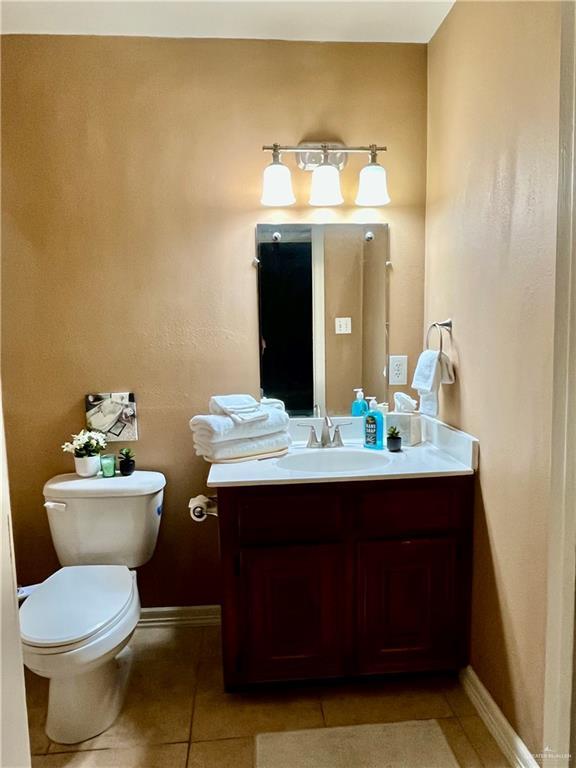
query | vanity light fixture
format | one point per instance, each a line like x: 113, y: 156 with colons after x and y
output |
x: 325, y: 161
x: 277, y: 182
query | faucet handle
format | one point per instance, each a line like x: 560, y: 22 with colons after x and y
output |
x: 337, y: 438
x: 313, y: 441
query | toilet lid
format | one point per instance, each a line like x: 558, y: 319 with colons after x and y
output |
x: 75, y: 603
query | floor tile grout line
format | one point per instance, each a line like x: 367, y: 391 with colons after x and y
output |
x: 223, y: 738
x: 113, y: 748
x: 196, y: 681
x: 459, y: 719
x: 323, y: 713
x: 478, y: 755
x: 476, y: 752
x: 460, y: 765
x: 447, y: 700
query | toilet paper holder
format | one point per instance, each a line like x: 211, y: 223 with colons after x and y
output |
x: 202, y: 507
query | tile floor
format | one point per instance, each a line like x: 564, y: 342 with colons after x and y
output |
x: 176, y: 714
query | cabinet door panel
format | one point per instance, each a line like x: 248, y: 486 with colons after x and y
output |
x: 407, y: 605
x: 294, y: 612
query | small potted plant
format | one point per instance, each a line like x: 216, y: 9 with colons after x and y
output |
x: 86, y: 446
x: 127, y: 463
x: 393, y: 439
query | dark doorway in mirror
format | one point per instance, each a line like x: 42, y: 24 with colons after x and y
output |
x: 285, y: 297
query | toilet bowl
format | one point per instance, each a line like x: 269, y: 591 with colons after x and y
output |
x: 75, y: 627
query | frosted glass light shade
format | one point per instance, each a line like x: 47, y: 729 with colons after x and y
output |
x: 277, y: 186
x: 325, y: 189
x: 372, y: 187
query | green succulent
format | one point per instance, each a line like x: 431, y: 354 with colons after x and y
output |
x: 393, y: 432
x: 126, y: 454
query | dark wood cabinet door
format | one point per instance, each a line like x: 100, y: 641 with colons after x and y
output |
x: 407, y: 605
x: 294, y: 612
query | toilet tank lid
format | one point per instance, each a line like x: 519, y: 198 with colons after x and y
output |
x: 69, y: 486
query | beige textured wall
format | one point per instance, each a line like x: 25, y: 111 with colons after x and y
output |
x: 130, y: 192
x: 490, y: 255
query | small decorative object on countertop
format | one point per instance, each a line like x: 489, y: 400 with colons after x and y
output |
x: 108, y: 464
x: 127, y: 463
x: 393, y: 440
x: 86, y: 446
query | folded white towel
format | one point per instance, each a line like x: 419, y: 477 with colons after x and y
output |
x: 427, y: 373
x: 432, y: 369
x: 240, y: 408
x: 220, y: 428
x: 238, y: 449
x: 273, y: 402
x: 447, y: 375
x: 429, y: 403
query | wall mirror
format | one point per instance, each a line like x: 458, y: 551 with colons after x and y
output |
x: 323, y: 314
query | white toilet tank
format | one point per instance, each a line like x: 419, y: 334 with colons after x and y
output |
x: 105, y: 520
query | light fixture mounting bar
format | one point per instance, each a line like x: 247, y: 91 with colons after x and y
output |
x: 323, y: 148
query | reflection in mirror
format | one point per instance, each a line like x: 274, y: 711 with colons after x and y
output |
x: 323, y: 308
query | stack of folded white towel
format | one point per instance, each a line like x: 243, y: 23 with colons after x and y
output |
x: 239, y: 428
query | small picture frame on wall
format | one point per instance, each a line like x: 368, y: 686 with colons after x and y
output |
x: 113, y: 413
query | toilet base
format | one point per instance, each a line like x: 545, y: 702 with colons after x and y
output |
x: 82, y: 706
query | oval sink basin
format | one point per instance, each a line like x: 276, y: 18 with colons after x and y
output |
x: 340, y: 460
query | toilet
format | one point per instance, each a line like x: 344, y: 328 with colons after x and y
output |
x: 76, y: 625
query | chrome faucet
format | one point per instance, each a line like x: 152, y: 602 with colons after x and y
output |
x: 326, y: 440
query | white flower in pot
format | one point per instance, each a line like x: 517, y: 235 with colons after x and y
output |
x: 86, y: 446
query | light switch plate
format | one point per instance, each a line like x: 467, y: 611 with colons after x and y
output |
x: 398, y: 370
x: 343, y: 325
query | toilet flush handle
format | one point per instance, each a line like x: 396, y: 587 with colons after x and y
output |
x: 55, y: 506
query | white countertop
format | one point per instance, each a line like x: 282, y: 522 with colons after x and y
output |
x: 446, y: 452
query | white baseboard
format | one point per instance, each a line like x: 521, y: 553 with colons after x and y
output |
x: 514, y: 749
x: 181, y: 615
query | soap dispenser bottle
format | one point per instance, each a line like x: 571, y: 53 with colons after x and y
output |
x: 374, y: 427
x: 359, y: 405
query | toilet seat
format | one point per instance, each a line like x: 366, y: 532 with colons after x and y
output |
x: 75, y: 605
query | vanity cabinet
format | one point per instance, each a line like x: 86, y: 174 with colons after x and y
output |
x: 345, y: 579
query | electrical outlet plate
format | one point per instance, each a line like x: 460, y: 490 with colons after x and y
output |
x: 398, y: 370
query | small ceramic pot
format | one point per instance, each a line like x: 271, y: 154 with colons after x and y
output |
x: 394, y: 444
x: 126, y: 466
x: 87, y: 466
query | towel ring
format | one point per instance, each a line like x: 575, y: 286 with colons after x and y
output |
x: 446, y: 325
